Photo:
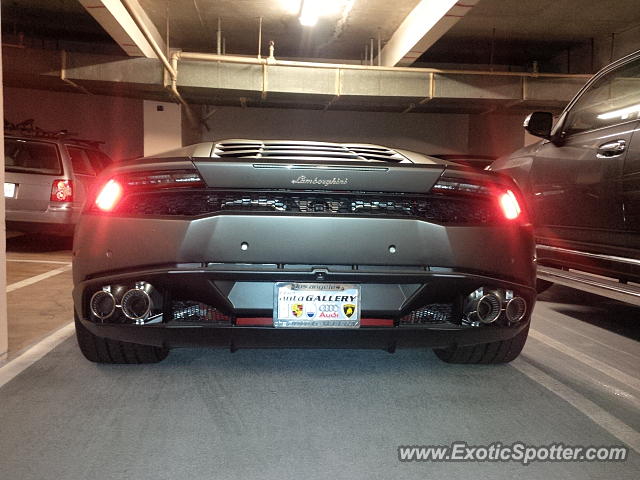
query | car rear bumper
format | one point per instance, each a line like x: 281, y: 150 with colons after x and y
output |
x: 62, y: 229
x: 60, y: 220
x: 247, y: 297
x: 235, y: 337
x: 202, y: 260
x: 106, y: 244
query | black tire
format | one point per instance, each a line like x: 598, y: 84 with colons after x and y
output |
x: 102, y: 350
x: 543, y: 285
x: 494, y: 352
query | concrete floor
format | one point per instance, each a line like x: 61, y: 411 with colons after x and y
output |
x: 35, y: 309
x: 206, y: 414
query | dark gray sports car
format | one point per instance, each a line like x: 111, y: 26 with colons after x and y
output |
x: 249, y: 244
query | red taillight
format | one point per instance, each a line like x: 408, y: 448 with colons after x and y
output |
x: 109, y: 196
x: 62, y: 191
x: 111, y: 193
x: 510, y: 206
x: 497, y: 192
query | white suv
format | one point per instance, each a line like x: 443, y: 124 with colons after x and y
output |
x: 47, y: 179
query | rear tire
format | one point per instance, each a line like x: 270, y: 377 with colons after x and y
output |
x: 103, y: 350
x: 503, y: 351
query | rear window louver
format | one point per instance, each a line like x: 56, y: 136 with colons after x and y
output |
x: 306, y: 151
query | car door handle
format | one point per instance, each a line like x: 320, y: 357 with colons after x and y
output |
x: 611, y: 149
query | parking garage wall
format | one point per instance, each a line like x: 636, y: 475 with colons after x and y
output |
x: 497, y: 134
x: 118, y: 121
x: 421, y: 132
x: 592, y: 56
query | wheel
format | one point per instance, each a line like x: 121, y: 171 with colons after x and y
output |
x: 502, y: 351
x: 543, y: 285
x: 103, y: 350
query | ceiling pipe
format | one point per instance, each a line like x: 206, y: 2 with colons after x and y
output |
x: 260, y: 38
x: 171, y: 69
x: 210, y: 57
x: 371, y: 51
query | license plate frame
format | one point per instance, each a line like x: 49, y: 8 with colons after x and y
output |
x: 316, y: 305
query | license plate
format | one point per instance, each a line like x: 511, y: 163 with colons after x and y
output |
x: 316, y: 305
x: 9, y: 190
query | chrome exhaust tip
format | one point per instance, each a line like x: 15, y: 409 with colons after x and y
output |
x: 482, y: 306
x: 516, y: 309
x: 136, y: 304
x: 102, y: 304
x: 488, y: 308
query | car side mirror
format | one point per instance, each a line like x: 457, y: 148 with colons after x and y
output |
x: 539, y: 124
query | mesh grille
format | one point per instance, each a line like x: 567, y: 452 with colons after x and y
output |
x: 437, y: 313
x: 305, y: 150
x: 198, y: 312
x: 203, y: 202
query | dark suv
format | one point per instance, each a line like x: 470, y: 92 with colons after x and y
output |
x: 582, y: 181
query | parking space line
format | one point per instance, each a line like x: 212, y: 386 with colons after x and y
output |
x: 16, y: 366
x: 575, y: 331
x: 43, y: 276
x: 597, y: 414
x: 587, y: 360
x: 24, y: 260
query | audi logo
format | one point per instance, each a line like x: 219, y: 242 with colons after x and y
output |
x: 328, y: 308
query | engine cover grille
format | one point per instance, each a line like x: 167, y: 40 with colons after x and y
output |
x: 191, y: 203
x: 436, y: 313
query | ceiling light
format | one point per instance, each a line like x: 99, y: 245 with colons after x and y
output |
x: 292, y: 7
x: 309, y: 13
x: 312, y: 10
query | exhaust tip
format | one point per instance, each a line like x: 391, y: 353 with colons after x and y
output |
x: 102, y: 304
x: 516, y: 309
x: 488, y: 308
x: 136, y: 304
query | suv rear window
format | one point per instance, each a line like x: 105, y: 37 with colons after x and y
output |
x: 31, y: 156
x: 98, y: 160
x: 80, y: 161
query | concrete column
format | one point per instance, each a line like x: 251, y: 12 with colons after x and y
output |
x: 4, y: 335
x: 162, y: 127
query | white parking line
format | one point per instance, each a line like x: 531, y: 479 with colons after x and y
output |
x: 576, y: 332
x: 587, y: 360
x: 33, y: 354
x: 37, y: 278
x: 24, y: 260
x: 611, y: 424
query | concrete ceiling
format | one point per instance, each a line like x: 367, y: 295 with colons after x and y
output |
x: 524, y: 30
x: 530, y: 30
x: 342, y: 35
x: 50, y: 20
x: 550, y: 20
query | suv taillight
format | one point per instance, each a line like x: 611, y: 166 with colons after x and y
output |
x: 62, y: 191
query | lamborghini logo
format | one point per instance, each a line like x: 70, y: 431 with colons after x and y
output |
x: 349, y: 309
x: 297, y: 309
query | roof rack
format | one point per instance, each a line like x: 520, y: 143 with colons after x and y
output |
x: 27, y: 128
x: 91, y: 143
